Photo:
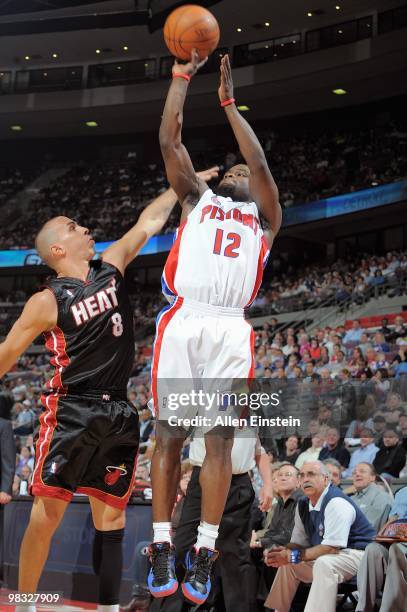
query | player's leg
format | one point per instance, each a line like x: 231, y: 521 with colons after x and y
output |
x: 46, y: 515
x: 171, y: 369
x: 109, y: 525
x: 228, y: 344
x: 165, y: 475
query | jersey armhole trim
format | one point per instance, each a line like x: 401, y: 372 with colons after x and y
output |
x: 107, y: 263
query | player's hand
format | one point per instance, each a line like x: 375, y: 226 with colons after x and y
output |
x: 209, y: 174
x: 225, y: 90
x: 266, y: 498
x: 191, y: 67
x: 5, y: 498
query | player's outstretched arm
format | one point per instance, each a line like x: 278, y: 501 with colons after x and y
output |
x: 180, y: 171
x: 39, y: 315
x: 262, y: 186
x: 151, y: 221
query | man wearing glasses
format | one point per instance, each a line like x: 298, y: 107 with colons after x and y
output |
x: 329, y: 537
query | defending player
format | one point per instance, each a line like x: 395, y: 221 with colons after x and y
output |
x: 212, y: 273
x: 88, y: 437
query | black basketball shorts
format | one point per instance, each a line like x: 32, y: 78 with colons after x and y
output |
x: 86, y: 443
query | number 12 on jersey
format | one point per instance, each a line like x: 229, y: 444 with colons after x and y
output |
x: 230, y: 249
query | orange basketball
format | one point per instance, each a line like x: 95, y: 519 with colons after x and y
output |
x: 191, y: 27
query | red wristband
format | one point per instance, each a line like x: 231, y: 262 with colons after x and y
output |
x: 181, y: 75
x: 228, y: 102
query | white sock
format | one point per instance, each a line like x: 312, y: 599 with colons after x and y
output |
x: 162, y: 532
x: 112, y: 608
x: 25, y: 609
x: 207, y: 535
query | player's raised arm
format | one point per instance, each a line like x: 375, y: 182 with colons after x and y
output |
x: 180, y: 171
x: 151, y: 221
x: 262, y: 186
x: 39, y: 315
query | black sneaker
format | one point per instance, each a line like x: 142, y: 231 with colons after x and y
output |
x: 196, y: 585
x: 162, y: 580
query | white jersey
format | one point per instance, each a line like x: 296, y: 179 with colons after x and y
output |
x: 218, y: 254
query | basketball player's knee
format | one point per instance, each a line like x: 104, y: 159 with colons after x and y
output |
x: 219, y: 448
x: 110, y: 519
x: 168, y: 446
x: 45, y: 522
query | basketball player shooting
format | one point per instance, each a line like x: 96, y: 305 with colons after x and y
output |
x: 212, y: 273
x: 89, y: 434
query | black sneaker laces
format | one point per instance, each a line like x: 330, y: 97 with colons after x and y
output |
x: 202, y: 568
x: 160, y: 562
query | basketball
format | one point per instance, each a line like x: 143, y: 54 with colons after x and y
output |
x: 191, y: 27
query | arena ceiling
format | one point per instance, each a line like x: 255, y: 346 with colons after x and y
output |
x: 94, y: 26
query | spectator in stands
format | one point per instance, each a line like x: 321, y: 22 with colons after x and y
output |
x: 399, y: 330
x: 25, y: 421
x: 354, y: 334
x: 365, y: 454
x: 346, y: 396
x: 24, y: 458
x: 325, y: 414
x: 335, y: 471
x: 326, y: 547
x: 282, y: 523
x: 333, y: 449
x: 403, y: 430
x: 391, y: 458
x: 379, y: 427
x: 374, y: 502
x: 384, y: 568
x: 385, y: 329
x: 312, y: 453
x: 362, y: 421
x: 292, y: 450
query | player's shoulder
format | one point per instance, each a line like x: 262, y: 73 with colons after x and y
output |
x: 41, y: 308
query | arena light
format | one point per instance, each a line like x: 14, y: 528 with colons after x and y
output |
x: 16, y: 128
x: 55, y: 55
x: 309, y: 14
x: 98, y: 51
x: 238, y: 29
x: 27, y: 57
x: 338, y: 8
x: 339, y: 91
x: 267, y: 24
x: 125, y: 48
x: 91, y: 124
x: 243, y: 108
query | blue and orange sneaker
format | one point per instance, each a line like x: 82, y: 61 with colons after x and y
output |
x: 162, y: 580
x: 196, y: 585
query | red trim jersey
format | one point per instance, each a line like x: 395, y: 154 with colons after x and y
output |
x: 218, y: 254
x: 92, y: 345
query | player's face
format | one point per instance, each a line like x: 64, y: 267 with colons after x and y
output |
x: 235, y: 184
x: 75, y: 240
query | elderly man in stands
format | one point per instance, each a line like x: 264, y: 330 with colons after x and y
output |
x: 365, y: 454
x: 384, y: 567
x: 329, y: 537
x: 374, y: 502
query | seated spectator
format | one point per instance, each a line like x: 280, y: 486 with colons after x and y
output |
x: 374, y: 502
x: 354, y: 334
x: 24, y: 458
x: 391, y: 458
x: 365, y: 454
x: 325, y: 415
x: 312, y: 453
x: 335, y: 470
x: 399, y: 330
x: 334, y: 450
x: 291, y: 451
x: 379, y: 427
x: 24, y: 424
x: 282, y: 523
x: 326, y: 548
x: 361, y: 422
x: 384, y: 567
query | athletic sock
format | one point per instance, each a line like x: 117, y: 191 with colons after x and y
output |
x: 107, y: 563
x: 162, y: 532
x: 207, y: 535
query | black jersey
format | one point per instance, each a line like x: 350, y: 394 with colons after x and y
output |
x: 92, y: 344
